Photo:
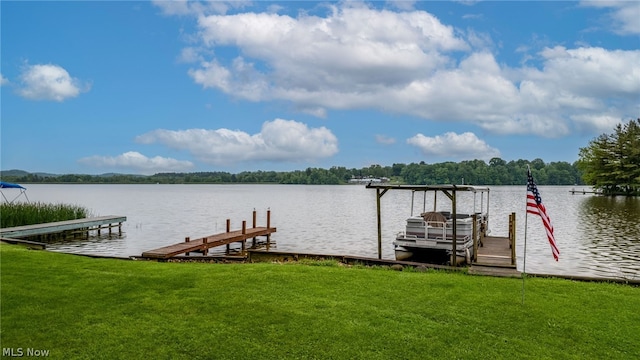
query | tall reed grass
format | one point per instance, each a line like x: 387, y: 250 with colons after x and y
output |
x: 19, y: 214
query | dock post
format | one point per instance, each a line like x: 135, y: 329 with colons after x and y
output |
x: 474, y: 217
x: 512, y: 238
x: 228, y: 230
x: 120, y: 228
x: 109, y: 229
x: 187, y: 239
x: 269, y: 225
x: 99, y: 226
x: 378, y: 195
x: 204, y: 246
x: 253, y: 242
x: 244, y: 232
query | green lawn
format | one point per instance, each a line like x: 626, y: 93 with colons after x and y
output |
x: 79, y: 307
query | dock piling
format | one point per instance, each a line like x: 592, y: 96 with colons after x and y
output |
x: 475, y: 237
x: 253, y: 241
x: 244, y: 231
x: 269, y: 225
x: 228, y: 230
x: 512, y: 237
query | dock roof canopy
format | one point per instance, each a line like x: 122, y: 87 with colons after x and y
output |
x: 445, y: 187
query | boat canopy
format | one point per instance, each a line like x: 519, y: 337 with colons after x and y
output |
x: 6, y: 185
x: 449, y: 190
x: 445, y: 187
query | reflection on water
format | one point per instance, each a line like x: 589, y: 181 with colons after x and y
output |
x: 616, y: 222
x: 597, y: 236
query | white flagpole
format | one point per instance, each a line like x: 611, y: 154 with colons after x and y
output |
x: 526, y: 217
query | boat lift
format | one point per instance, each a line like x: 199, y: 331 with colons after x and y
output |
x: 6, y: 185
x: 448, y: 190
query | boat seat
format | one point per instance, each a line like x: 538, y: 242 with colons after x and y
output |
x: 434, y: 219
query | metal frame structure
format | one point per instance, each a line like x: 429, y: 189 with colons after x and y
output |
x: 449, y: 190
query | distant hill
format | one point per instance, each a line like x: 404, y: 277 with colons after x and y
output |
x: 18, y: 173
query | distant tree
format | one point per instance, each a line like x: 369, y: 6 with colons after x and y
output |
x: 611, y: 162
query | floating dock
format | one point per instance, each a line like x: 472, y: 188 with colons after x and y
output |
x: 205, y: 243
x: 95, y: 223
x: 585, y: 192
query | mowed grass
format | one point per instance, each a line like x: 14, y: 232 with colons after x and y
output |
x: 86, y: 308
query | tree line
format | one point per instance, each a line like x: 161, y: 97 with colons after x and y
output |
x: 478, y: 172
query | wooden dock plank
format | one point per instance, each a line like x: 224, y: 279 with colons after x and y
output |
x: 495, y: 251
x: 211, y: 241
x: 60, y: 226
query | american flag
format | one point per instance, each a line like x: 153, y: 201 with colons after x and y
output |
x: 535, y: 206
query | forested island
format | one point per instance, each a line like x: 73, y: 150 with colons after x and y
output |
x: 496, y: 172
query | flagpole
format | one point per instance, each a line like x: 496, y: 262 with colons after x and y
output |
x: 524, y: 257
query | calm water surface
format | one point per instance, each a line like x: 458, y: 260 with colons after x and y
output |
x: 597, y: 236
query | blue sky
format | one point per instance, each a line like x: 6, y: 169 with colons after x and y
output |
x: 173, y: 86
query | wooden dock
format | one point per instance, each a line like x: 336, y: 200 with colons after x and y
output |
x: 495, y: 258
x: 205, y: 243
x: 94, y: 223
x: 585, y: 192
x: 496, y: 255
x: 495, y: 251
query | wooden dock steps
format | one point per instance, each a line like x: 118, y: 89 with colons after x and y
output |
x: 62, y: 226
x: 202, y: 244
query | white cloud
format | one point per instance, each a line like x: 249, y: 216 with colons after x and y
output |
x: 198, y: 8
x: 385, y: 140
x: 464, y: 146
x: 49, y: 82
x: 190, y: 55
x: 408, y: 62
x: 137, y: 162
x: 623, y: 17
x: 278, y: 140
x: 3, y: 80
x: 315, y: 61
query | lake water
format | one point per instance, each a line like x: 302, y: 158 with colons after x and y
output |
x: 597, y: 236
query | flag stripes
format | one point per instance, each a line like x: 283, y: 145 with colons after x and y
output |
x: 536, y: 207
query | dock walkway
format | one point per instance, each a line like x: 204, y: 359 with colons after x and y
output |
x: 495, y: 257
x: 61, y: 226
x: 205, y: 243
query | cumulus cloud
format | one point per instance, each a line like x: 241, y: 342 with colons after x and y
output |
x: 464, y: 146
x: 623, y: 17
x: 409, y: 62
x: 137, y: 162
x: 278, y: 140
x: 316, y: 61
x: 49, y: 82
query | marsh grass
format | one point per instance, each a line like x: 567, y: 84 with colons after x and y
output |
x: 87, y: 308
x: 19, y: 214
